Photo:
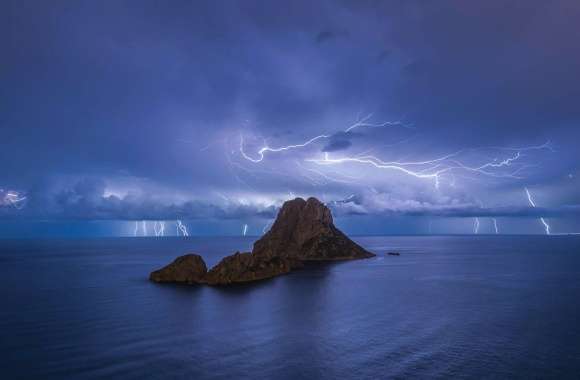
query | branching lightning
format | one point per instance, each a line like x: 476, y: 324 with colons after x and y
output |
x: 432, y: 169
x: 360, y: 123
x: 181, y: 228
x: 487, y: 162
x: 377, y: 163
x: 12, y: 198
x: 533, y: 204
x: 364, y: 123
x: 265, y: 149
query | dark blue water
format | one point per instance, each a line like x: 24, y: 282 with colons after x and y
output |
x: 471, y: 307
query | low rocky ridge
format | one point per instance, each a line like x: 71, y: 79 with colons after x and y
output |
x: 246, y: 267
x: 187, y: 269
x: 303, y: 231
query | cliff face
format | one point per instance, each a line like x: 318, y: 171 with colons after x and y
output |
x: 303, y: 231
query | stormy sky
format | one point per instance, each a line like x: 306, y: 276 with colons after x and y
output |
x: 402, y: 116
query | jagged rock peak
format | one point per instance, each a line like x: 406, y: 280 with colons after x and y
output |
x: 305, y: 230
x: 298, y: 209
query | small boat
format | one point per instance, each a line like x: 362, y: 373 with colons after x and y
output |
x: 394, y: 254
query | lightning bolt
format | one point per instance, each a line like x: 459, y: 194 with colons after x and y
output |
x: 377, y: 163
x: 533, y: 204
x: 12, y: 198
x: 244, y: 229
x: 364, y: 123
x: 471, y: 163
x: 342, y: 178
x: 360, y: 123
x: 181, y: 228
x: 432, y: 169
x: 159, y: 228
x: 266, y: 149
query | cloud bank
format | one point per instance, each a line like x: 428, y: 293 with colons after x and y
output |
x: 87, y: 199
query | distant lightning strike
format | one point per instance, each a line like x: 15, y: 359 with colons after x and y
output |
x: 476, y: 226
x: 12, y: 198
x: 142, y: 225
x: 533, y: 204
x: 245, y: 230
x: 142, y: 230
x: 495, y: 226
x: 159, y: 228
x: 181, y: 228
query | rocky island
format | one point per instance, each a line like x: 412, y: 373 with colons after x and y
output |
x: 303, y: 231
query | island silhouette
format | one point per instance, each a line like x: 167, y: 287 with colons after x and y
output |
x: 303, y: 231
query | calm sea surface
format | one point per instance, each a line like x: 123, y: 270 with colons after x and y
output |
x: 467, y: 307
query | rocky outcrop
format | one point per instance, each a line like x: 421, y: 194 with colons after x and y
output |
x: 246, y: 267
x: 237, y: 268
x: 303, y: 231
x: 188, y: 269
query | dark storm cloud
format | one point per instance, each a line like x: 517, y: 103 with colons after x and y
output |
x: 467, y: 211
x: 87, y: 200
x: 328, y: 35
x: 140, y: 89
x: 340, y: 141
x: 360, y: 205
x: 336, y: 145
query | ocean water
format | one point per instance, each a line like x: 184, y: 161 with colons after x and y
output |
x: 449, y: 306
